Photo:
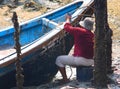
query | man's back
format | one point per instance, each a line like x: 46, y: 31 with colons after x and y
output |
x: 83, y: 41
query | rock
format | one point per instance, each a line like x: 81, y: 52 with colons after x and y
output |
x: 32, y: 5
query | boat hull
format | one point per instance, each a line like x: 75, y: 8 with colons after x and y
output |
x: 40, y: 68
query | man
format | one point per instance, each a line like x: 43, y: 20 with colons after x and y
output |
x: 83, y: 46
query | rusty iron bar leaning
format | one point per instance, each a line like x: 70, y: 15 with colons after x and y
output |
x: 19, y: 75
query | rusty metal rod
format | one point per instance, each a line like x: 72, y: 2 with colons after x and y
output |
x: 19, y: 75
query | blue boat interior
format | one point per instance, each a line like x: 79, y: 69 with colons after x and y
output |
x: 33, y: 29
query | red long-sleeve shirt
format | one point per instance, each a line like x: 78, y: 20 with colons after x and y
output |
x: 83, y: 41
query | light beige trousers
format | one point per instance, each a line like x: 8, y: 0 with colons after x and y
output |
x: 63, y: 60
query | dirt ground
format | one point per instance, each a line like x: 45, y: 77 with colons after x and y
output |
x: 26, y: 14
x: 114, y: 17
x: 114, y: 7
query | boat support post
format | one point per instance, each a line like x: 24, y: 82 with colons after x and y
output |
x: 19, y: 76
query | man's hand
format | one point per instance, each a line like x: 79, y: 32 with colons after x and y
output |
x: 68, y: 18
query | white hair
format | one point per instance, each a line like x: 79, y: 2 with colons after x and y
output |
x: 87, y: 23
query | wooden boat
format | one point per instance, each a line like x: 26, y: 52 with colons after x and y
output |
x: 42, y: 39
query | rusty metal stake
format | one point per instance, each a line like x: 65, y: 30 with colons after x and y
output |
x: 19, y: 76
